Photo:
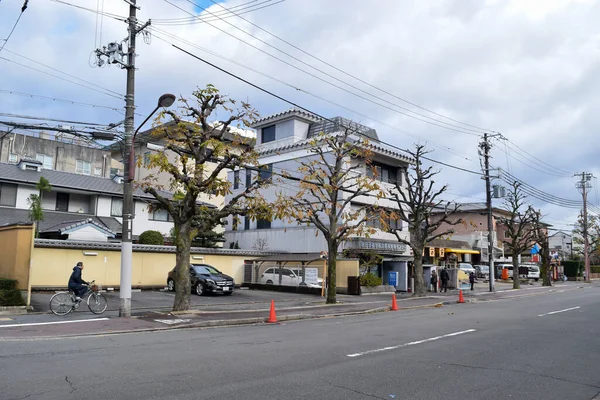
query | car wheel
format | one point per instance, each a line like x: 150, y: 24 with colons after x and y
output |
x: 199, y: 289
x: 269, y: 282
x: 171, y: 285
x: 537, y: 279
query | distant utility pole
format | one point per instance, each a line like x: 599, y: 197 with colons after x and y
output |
x: 485, y: 145
x: 114, y: 53
x: 584, y: 184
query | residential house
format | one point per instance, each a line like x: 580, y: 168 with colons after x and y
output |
x: 57, y: 151
x: 283, y: 141
x: 561, y: 244
x: 79, y: 206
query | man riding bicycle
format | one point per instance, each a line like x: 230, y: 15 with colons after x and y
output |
x: 76, y: 283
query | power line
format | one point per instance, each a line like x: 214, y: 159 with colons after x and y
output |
x: 114, y: 16
x: 23, y: 8
x: 49, y: 119
x: 314, y: 113
x: 403, y: 131
x: 78, y: 103
x: 439, y: 123
x: 536, y: 162
x: 347, y: 73
x: 201, y: 20
x: 87, y: 86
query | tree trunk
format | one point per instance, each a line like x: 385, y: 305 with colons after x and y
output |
x: 331, y: 273
x: 420, y: 288
x: 545, y: 271
x: 183, y: 287
x: 516, y: 281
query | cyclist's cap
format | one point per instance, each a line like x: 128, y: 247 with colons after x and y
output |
x: 79, y: 264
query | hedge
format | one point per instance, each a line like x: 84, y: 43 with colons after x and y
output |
x: 572, y: 268
x: 370, y: 280
x: 152, y: 237
x: 595, y: 269
x: 9, y: 294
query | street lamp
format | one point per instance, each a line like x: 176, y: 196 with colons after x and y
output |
x: 166, y: 100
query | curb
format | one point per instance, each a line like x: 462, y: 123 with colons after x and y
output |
x: 223, y: 323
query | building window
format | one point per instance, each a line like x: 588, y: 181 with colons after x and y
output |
x: 47, y: 161
x: 146, y: 158
x: 116, y: 207
x: 98, y: 171
x: 248, y: 178
x: 268, y: 134
x: 385, y: 173
x: 234, y: 223
x: 160, y: 215
x: 13, y: 157
x: 558, y: 247
x: 376, y: 220
x: 115, y: 171
x: 236, y: 179
x: 8, y: 195
x: 266, y: 172
x: 62, y: 202
x: 263, y: 224
x: 246, y: 223
x: 506, y: 236
x: 83, y: 167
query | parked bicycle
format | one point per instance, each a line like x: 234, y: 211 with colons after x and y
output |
x: 63, y: 303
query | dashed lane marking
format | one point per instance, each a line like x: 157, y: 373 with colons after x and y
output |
x: 559, y: 311
x: 53, y: 323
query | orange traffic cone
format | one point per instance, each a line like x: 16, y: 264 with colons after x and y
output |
x: 394, y: 305
x: 461, y: 299
x: 272, y: 318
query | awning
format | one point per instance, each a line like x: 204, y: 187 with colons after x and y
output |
x: 461, y: 251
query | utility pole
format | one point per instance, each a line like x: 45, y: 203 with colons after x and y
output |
x: 486, y: 146
x: 583, y: 185
x: 114, y: 53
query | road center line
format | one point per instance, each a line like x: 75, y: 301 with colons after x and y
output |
x: 53, y: 323
x: 559, y: 311
x: 410, y: 343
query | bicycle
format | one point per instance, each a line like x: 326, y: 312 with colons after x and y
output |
x: 63, y: 303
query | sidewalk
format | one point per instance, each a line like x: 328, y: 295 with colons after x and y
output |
x: 226, y: 311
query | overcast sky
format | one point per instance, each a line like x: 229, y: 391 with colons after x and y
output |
x: 528, y: 69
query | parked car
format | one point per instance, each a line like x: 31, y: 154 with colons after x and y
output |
x: 466, y: 268
x: 483, y: 271
x: 533, y: 272
x: 289, y: 277
x: 509, y: 267
x: 205, y: 279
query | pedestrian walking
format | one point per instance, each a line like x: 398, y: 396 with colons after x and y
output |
x: 472, y: 280
x: 434, y: 280
x: 444, y: 277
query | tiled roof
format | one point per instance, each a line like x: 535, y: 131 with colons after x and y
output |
x: 54, y: 220
x: 306, y: 143
x: 66, y: 226
x: 291, y: 112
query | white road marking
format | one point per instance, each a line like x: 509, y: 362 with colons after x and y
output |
x: 172, y: 321
x: 559, y: 311
x: 410, y: 343
x: 54, y: 323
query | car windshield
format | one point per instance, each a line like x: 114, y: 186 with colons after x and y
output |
x: 534, y: 269
x: 205, y: 270
x: 484, y: 268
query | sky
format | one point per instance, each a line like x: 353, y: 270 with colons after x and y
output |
x: 527, y: 69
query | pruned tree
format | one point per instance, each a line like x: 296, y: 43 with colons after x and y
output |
x: 540, y: 236
x: 419, y: 203
x: 520, y: 233
x: 593, y: 234
x: 204, y: 152
x: 36, y: 211
x: 331, y: 179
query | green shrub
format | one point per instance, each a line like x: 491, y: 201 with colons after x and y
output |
x: 152, y: 237
x: 370, y: 280
x: 595, y: 269
x: 7, y: 284
x: 9, y: 294
x: 572, y: 268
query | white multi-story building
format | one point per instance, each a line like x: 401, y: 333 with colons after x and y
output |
x: 283, y: 142
x: 561, y: 244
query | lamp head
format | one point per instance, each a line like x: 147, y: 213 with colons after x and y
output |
x: 166, y: 100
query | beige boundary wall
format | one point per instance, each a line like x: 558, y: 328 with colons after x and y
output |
x: 15, y: 251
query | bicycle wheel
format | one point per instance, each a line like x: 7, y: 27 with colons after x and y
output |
x: 61, y: 303
x: 97, y: 303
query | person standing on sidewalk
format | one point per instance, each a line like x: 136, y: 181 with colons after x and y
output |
x: 445, y: 277
x: 472, y: 280
x: 434, y: 280
x: 76, y: 282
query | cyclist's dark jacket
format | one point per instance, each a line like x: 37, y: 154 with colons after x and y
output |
x: 75, y: 280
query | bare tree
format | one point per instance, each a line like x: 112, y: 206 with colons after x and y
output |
x: 419, y: 204
x: 331, y: 180
x: 520, y: 235
x: 203, y: 150
x: 540, y: 235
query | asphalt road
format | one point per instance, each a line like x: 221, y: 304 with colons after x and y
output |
x: 538, y: 347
